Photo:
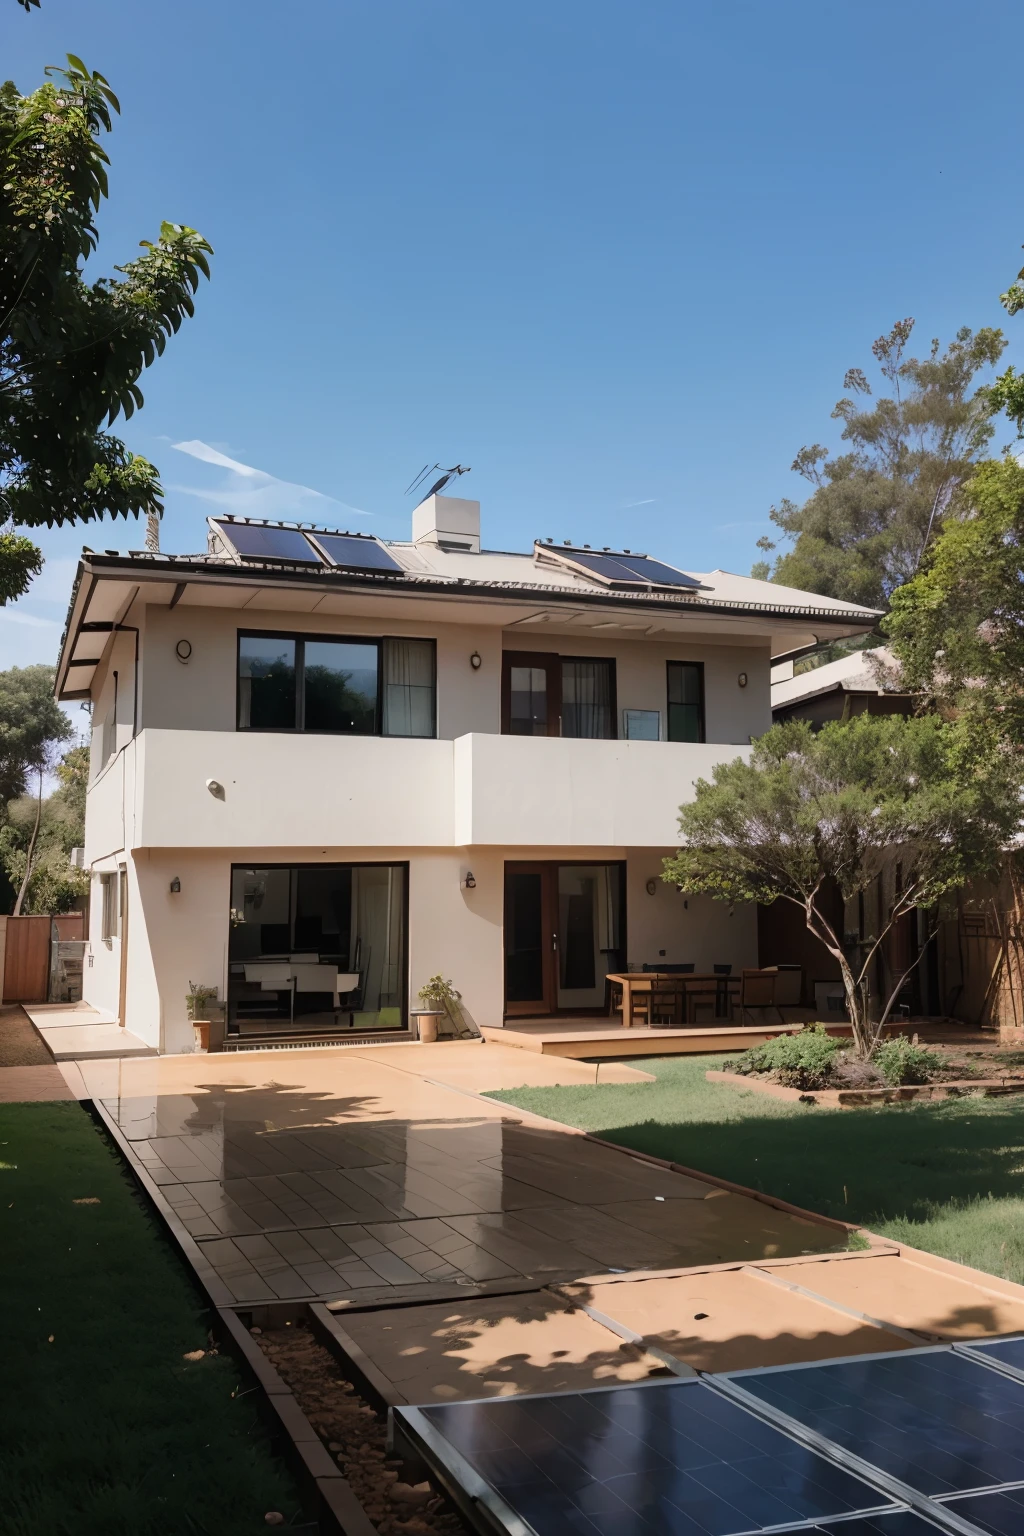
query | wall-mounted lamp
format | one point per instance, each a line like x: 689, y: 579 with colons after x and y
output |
x: 476, y: 661
x: 183, y: 650
x: 469, y: 883
x: 175, y: 886
x: 216, y: 788
x: 651, y: 887
x: 742, y: 679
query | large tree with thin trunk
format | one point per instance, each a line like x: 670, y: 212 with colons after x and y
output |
x: 906, y: 808
x: 72, y: 350
x: 876, y: 505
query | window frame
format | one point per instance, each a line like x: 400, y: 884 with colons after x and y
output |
x: 701, y: 719
x: 552, y: 662
x: 613, y: 694
x: 300, y: 638
x: 110, y: 905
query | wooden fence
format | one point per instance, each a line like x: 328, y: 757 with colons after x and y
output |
x: 26, y: 953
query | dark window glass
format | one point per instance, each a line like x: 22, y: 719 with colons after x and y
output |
x: 685, y: 701
x: 266, y: 682
x: 587, y: 705
x: 524, y: 938
x: 340, y: 686
x: 528, y: 701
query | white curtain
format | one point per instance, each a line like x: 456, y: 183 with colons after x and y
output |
x: 409, y: 667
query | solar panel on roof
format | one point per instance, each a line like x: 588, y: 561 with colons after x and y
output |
x: 356, y: 554
x: 1006, y: 1351
x: 254, y: 541
x: 632, y: 570
x: 668, y: 1459
x: 1001, y: 1514
x: 935, y: 1419
x: 897, y: 1522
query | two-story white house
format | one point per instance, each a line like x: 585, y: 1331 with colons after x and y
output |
x: 326, y: 768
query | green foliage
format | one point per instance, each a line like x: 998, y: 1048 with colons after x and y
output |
x: 32, y: 723
x: 900, y: 1061
x: 843, y: 806
x: 1007, y: 393
x: 71, y: 351
x: 861, y: 532
x: 957, y: 629
x: 196, y: 999
x: 439, y: 993
x: 39, y: 835
x: 806, y: 1060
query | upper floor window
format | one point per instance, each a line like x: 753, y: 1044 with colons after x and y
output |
x: 686, y: 701
x: 547, y: 695
x: 349, y: 687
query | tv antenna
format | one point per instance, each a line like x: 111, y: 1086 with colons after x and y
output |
x: 439, y: 485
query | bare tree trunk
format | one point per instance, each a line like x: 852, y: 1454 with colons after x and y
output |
x: 31, y: 849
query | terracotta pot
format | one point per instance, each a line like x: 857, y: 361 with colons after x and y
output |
x: 201, y: 1031
x: 427, y: 1029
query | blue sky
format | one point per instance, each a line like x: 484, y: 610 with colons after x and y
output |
x: 615, y: 256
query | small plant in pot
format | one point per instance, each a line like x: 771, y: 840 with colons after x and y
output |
x: 197, y: 1003
x: 440, y: 994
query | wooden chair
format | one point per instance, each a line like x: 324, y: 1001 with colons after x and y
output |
x: 757, y: 990
x: 660, y: 1005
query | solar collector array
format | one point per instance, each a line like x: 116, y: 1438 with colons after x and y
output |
x: 293, y: 546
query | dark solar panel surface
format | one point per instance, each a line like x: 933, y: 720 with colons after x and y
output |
x: 633, y: 568
x: 937, y: 1421
x: 254, y: 542
x: 1009, y: 1351
x: 901, y: 1522
x: 1001, y: 1514
x: 357, y: 554
x: 669, y: 1460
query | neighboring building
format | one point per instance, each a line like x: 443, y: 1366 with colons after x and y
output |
x: 851, y: 685
x: 326, y: 768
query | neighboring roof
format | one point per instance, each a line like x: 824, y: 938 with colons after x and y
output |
x: 856, y: 673
x: 427, y: 570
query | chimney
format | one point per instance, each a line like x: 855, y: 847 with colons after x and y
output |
x: 450, y: 522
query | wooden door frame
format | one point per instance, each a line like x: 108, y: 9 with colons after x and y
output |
x: 548, y: 869
x: 548, y: 922
x: 122, y: 935
x: 551, y: 661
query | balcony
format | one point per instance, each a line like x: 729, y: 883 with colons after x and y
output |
x: 319, y: 792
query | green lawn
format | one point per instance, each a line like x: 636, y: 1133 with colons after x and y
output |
x: 107, y: 1429
x: 946, y: 1177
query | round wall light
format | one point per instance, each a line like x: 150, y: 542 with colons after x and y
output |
x: 476, y: 661
x: 216, y: 788
x: 175, y: 886
x: 742, y: 679
x: 651, y: 887
x: 469, y: 883
x: 183, y: 650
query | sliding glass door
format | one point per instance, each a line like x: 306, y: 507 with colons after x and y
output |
x: 317, y: 946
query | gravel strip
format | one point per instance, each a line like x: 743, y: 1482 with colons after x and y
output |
x: 355, y: 1434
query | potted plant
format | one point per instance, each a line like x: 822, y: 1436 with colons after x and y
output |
x: 197, y: 1001
x: 440, y: 994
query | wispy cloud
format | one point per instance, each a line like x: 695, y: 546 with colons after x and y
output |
x: 647, y: 502
x: 250, y: 492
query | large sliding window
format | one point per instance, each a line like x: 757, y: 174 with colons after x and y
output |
x: 686, y: 701
x: 317, y: 945
x: 346, y: 687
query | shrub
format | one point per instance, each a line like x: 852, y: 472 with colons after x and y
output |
x: 806, y: 1060
x: 900, y: 1061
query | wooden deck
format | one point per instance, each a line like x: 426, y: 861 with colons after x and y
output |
x: 602, y: 1036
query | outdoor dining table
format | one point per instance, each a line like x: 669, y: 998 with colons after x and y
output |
x: 687, y: 982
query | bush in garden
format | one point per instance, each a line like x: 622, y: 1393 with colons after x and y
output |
x: 901, y: 1061
x: 806, y: 1060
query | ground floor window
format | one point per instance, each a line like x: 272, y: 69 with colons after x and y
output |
x: 317, y: 946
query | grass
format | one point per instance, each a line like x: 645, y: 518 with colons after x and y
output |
x: 947, y: 1177
x: 108, y: 1429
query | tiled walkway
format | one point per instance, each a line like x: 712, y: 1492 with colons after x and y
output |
x: 404, y: 1182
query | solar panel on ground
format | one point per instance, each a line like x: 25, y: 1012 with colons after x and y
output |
x: 934, y: 1419
x: 671, y: 1458
x: 1000, y: 1514
x: 253, y: 541
x: 634, y: 569
x: 357, y: 554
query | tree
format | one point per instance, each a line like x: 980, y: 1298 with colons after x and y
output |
x: 38, y: 836
x: 862, y: 531
x: 71, y: 351
x: 907, y: 806
x: 32, y: 723
x: 957, y: 629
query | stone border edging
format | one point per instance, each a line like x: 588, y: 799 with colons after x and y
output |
x: 859, y: 1098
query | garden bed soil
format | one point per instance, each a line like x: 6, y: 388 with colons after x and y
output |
x: 355, y: 1435
x: 850, y: 1098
